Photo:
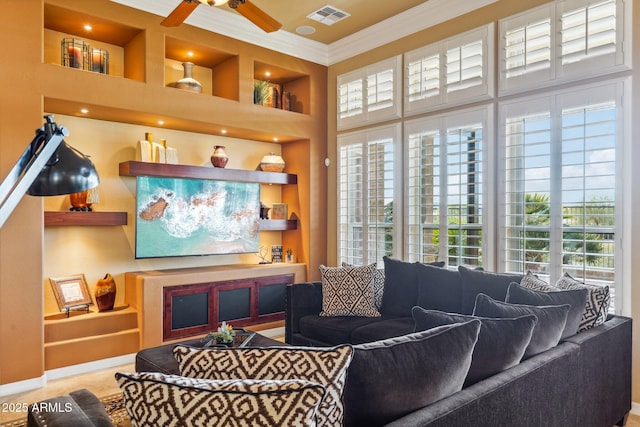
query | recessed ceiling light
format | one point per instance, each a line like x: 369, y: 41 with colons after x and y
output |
x: 267, y: 73
x: 189, y: 54
x: 275, y: 139
x: 305, y: 30
x: 84, y: 110
x: 88, y: 27
x: 223, y: 131
x: 160, y: 122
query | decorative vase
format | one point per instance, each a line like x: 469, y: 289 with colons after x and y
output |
x: 219, y: 157
x: 272, y: 163
x: 105, y: 293
x: 188, y: 82
x: 79, y: 201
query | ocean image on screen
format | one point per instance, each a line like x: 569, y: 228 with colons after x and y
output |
x: 183, y: 217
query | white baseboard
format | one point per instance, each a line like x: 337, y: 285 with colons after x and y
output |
x: 635, y: 408
x: 22, y: 386
x: 67, y: 371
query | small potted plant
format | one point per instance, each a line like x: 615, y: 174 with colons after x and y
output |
x: 224, y: 335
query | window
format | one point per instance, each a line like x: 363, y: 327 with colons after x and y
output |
x: 560, y: 206
x: 369, y: 94
x: 445, y: 188
x: 454, y: 70
x: 367, y: 212
x: 564, y: 40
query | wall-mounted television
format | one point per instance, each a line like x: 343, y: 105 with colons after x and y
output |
x: 185, y: 217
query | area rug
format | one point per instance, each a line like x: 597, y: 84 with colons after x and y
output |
x: 114, y: 404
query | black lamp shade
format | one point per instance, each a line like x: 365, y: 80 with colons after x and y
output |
x: 68, y: 171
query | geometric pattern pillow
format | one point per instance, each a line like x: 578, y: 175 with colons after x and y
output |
x: 378, y: 285
x: 324, y: 366
x: 533, y: 282
x: 155, y: 399
x: 348, y: 291
x: 598, y: 300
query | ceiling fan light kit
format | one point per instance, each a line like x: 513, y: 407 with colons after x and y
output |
x: 244, y: 7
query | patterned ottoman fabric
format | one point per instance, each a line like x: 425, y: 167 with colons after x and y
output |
x: 155, y: 399
x: 325, y: 366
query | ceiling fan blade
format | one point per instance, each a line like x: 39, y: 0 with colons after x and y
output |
x: 180, y: 13
x: 256, y: 15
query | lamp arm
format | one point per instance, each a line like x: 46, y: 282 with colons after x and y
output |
x: 28, y: 167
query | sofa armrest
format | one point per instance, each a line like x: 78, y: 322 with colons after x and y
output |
x: 604, y: 365
x: 302, y: 299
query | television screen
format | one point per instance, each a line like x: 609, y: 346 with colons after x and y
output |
x: 183, y: 217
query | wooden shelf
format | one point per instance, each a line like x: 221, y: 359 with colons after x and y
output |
x: 67, y: 218
x: 133, y: 168
x: 278, y: 224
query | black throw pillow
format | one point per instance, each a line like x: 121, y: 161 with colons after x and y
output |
x: 576, y: 298
x: 501, y: 342
x: 476, y: 282
x: 400, y: 287
x: 390, y: 378
x: 548, y: 330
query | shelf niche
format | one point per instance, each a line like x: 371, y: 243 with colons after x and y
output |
x: 216, y: 70
x: 125, y: 44
x: 293, y: 82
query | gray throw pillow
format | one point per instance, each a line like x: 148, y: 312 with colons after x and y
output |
x: 501, y: 342
x: 576, y: 298
x: 476, y: 282
x: 391, y: 378
x: 548, y: 330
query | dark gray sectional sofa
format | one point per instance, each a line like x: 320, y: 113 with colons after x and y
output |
x: 583, y: 381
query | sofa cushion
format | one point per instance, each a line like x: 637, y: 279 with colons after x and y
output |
x: 390, y: 378
x: 155, y: 399
x: 439, y: 288
x: 334, y: 330
x: 400, y: 286
x: 475, y: 282
x: 576, y: 298
x: 387, y: 328
x: 501, y: 342
x: 348, y: 291
x: 598, y: 301
x: 325, y: 366
x: 548, y: 329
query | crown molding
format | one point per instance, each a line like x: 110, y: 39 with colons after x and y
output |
x: 425, y: 15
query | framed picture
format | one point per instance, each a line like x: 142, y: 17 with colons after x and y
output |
x: 279, y: 211
x: 71, y: 291
x: 276, y: 253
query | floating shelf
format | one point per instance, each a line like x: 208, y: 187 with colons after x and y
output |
x: 67, y: 218
x: 278, y: 224
x: 133, y: 168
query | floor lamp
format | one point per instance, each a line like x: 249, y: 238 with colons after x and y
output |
x: 47, y: 167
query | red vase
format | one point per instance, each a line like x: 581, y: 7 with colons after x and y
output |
x: 219, y: 157
x: 105, y: 293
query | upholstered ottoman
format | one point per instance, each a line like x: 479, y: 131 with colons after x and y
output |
x: 78, y: 408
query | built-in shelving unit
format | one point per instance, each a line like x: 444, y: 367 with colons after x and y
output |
x: 84, y: 218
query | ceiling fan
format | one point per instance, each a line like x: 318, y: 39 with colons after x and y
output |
x: 244, y: 7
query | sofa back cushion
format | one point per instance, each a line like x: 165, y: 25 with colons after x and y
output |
x: 390, y: 378
x: 400, y: 287
x: 155, y: 399
x: 476, y: 282
x: 439, y: 288
x: 501, y: 342
x: 548, y: 329
x: 576, y: 298
x: 325, y: 366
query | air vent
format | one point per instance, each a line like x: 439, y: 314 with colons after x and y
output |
x: 328, y: 15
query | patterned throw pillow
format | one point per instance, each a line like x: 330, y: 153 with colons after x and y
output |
x: 348, y: 291
x: 598, y: 301
x: 533, y: 282
x: 155, y: 399
x: 324, y: 366
x: 378, y: 285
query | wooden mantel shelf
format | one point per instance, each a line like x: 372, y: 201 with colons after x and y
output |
x: 67, y: 218
x: 134, y: 168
